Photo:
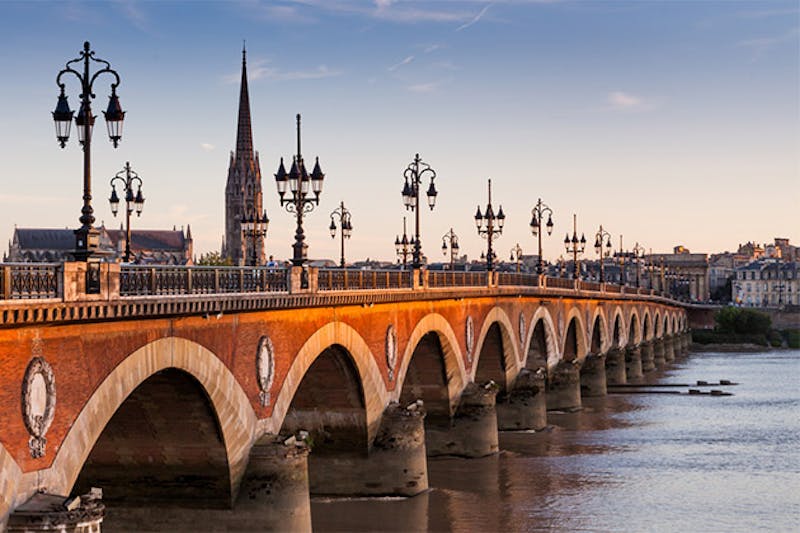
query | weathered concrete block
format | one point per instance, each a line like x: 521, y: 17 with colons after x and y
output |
x: 394, y: 466
x: 593, y: 375
x: 524, y: 406
x: 472, y: 431
x: 564, y: 386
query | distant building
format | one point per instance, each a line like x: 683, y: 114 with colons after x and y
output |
x: 682, y: 274
x: 36, y: 245
x: 767, y: 283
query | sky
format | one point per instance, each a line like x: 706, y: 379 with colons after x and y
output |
x: 670, y: 123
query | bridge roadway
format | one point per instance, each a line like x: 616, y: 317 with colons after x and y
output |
x: 184, y: 386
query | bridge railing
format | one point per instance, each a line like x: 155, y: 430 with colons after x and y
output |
x: 23, y: 281
x: 452, y: 278
x: 142, y: 280
x: 590, y: 286
x: 559, y: 283
x: 342, y: 279
x: 516, y: 279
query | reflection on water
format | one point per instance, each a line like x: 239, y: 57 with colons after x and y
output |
x: 624, y: 463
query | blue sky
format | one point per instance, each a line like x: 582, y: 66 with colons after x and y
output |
x: 669, y: 122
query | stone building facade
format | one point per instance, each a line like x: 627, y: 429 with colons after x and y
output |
x: 767, y: 283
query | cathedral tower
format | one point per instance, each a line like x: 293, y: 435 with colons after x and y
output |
x: 243, y: 190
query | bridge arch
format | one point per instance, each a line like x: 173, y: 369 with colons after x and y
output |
x: 497, y: 329
x: 618, y: 335
x: 574, y: 339
x: 455, y: 371
x: 541, y: 346
x: 234, y: 413
x: 647, y: 326
x: 658, y: 325
x: 334, y: 334
x: 634, y: 336
x: 603, y: 325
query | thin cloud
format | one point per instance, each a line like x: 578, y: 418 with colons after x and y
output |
x: 425, y: 88
x: 260, y: 69
x: 761, y: 45
x: 431, y: 48
x: 622, y: 101
x: 475, y: 19
x: 207, y: 146
x: 405, y: 61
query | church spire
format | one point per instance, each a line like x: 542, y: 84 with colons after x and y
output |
x: 244, y: 132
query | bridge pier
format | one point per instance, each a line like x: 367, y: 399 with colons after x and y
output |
x: 669, y: 348
x: 686, y: 341
x: 593, y: 375
x: 633, y: 363
x: 658, y: 353
x: 524, y: 406
x: 615, y: 366
x: 472, y: 431
x: 395, y: 464
x: 564, y: 387
x: 48, y: 512
x: 648, y: 356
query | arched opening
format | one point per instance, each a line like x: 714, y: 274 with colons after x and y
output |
x: 571, y: 341
x: 617, y: 332
x: 646, y: 332
x: 329, y: 404
x: 674, y: 326
x: 426, y: 379
x: 633, y: 331
x: 597, y: 337
x: 491, y: 361
x: 163, y: 445
x: 537, y: 350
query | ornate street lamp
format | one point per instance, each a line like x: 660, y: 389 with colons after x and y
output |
x: 621, y: 256
x: 255, y: 227
x: 403, y: 246
x: 575, y: 246
x: 598, y: 247
x: 413, y: 182
x: 489, y: 225
x: 301, y: 186
x: 538, y: 212
x: 87, y: 237
x: 516, y: 255
x: 127, y: 176
x: 344, y: 223
x: 450, y: 240
x: 637, y: 253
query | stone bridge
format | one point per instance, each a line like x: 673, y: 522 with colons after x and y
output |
x: 195, y: 387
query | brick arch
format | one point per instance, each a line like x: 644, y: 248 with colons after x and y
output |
x: 580, y: 333
x: 673, y: 325
x: 658, y: 325
x: 511, y: 360
x: 647, y: 323
x: 605, y: 332
x: 633, y: 337
x: 550, y: 336
x: 623, y: 327
x: 334, y: 333
x: 457, y: 377
x: 227, y: 398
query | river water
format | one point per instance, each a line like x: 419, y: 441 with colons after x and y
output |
x: 655, y: 462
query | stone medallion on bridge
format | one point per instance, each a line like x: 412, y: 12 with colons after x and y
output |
x: 38, y: 403
x: 265, y: 369
x: 522, y: 331
x: 391, y: 350
x: 469, y: 337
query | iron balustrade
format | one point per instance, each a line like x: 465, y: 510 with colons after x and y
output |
x: 517, y: 280
x: 444, y: 278
x: 29, y: 281
x: 560, y: 283
x: 612, y: 287
x: 141, y: 280
x: 590, y: 286
x: 338, y: 279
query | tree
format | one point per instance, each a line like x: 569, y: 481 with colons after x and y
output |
x: 214, y: 259
x: 743, y: 321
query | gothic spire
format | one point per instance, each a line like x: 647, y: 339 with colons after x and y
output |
x: 244, y: 133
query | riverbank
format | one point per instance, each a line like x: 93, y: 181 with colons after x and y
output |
x: 729, y: 347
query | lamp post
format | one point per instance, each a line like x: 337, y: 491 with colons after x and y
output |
x: 87, y: 237
x: 538, y: 212
x: 598, y: 247
x: 413, y: 180
x: 489, y: 225
x: 255, y: 227
x: 127, y: 176
x: 301, y: 201
x: 344, y: 223
x: 450, y: 240
x: 516, y: 255
x: 638, y: 252
x: 575, y: 246
x: 403, y: 247
x: 621, y: 255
